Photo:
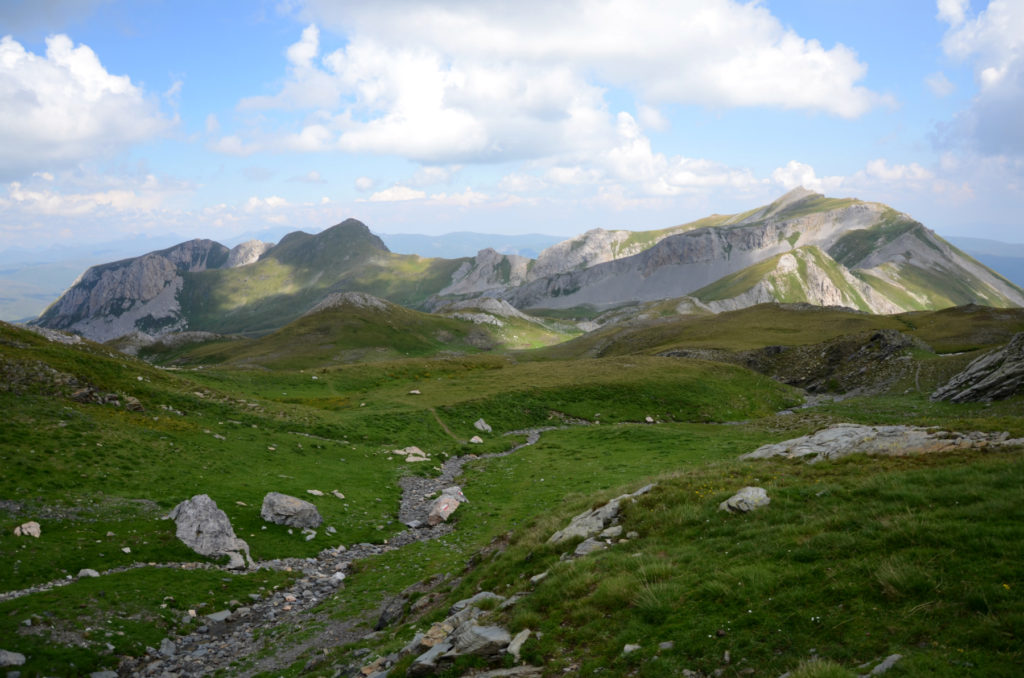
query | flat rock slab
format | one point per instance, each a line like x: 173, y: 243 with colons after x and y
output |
x: 842, y: 440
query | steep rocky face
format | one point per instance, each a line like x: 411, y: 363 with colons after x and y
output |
x: 489, y: 271
x: 247, y: 253
x: 115, y: 299
x: 803, y: 247
x: 994, y: 376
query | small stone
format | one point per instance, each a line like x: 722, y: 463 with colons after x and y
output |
x: 649, y: 419
x: 168, y: 648
x: 481, y: 425
x: 221, y: 616
x: 537, y: 578
x: 415, y: 391
x: 886, y: 664
x: 88, y: 572
x: 315, y: 493
x: 666, y: 646
x: 588, y: 546
x: 476, y: 440
x: 611, y: 532
x: 29, y: 529
x: 8, y: 658
x: 630, y: 648
x: 127, y: 549
x: 632, y: 534
x: 517, y: 643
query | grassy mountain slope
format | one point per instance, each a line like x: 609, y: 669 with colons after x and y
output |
x: 857, y: 560
x: 299, y: 272
x: 362, y: 328
x: 947, y: 331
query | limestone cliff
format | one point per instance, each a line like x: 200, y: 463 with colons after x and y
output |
x: 119, y: 298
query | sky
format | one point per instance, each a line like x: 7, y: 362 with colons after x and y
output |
x: 149, y: 118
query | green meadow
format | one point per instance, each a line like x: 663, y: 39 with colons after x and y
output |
x: 851, y: 561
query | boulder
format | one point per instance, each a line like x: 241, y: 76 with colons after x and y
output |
x: 591, y: 523
x: 283, y: 509
x: 205, y: 529
x: 482, y: 641
x: 455, y: 491
x: 994, y: 376
x: 426, y: 663
x: 8, y: 658
x: 481, y: 425
x: 476, y: 440
x: 29, y: 529
x: 746, y: 500
x: 442, y: 507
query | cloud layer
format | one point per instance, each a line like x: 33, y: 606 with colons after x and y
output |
x: 64, y: 107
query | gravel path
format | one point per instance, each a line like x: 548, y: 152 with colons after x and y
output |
x: 233, y: 639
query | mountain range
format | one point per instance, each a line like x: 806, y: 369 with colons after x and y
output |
x: 803, y: 247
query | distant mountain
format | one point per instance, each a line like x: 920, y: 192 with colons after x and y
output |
x: 466, y: 244
x: 1006, y: 258
x: 803, y: 248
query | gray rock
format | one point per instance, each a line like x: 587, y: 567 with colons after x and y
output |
x: 630, y: 648
x: 168, y: 648
x: 841, y: 440
x: 588, y: 546
x: 747, y: 499
x: 441, y: 509
x: 483, y: 641
x: 475, y: 601
x: 482, y: 425
x: 666, y: 646
x: 591, y: 523
x: 426, y: 663
x: 516, y: 644
x: 283, y: 509
x: 611, y: 532
x: 994, y: 376
x: 221, y: 616
x: 205, y: 529
x: 88, y: 572
x: 103, y: 674
x: 8, y: 658
x: 886, y: 664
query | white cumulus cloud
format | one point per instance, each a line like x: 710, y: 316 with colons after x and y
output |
x: 59, y: 109
x: 993, y: 41
x: 397, y: 194
x: 440, y: 82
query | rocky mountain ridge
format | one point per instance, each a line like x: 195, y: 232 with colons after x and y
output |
x: 802, y: 248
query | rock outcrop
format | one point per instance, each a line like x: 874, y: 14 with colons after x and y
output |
x: 994, y: 376
x: 206, y: 529
x: 115, y: 299
x: 842, y: 440
x: 590, y: 523
x: 283, y: 509
x: 746, y: 500
x: 247, y: 253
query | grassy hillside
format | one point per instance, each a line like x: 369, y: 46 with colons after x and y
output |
x: 947, y: 331
x: 855, y: 561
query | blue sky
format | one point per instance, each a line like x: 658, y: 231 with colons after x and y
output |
x: 219, y: 119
